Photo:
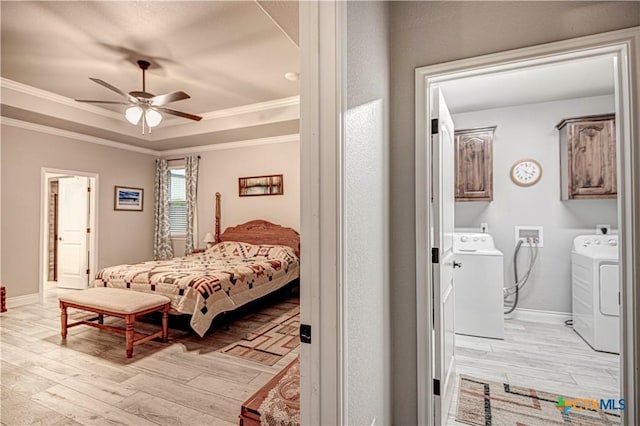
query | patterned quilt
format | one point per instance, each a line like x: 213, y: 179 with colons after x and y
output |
x: 222, y: 278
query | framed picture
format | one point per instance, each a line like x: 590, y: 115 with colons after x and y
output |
x: 127, y: 198
x: 260, y: 185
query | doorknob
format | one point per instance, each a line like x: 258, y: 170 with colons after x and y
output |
x: 59, y: 238
x: 457, y: 264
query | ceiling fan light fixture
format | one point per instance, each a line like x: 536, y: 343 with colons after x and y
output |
x: 133, y: 114
x: 292, y: 76
x: 152, y: 117
x: 144, y: 103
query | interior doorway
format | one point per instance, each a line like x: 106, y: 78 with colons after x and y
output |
x: 68, y: 231
x: 432, y: 390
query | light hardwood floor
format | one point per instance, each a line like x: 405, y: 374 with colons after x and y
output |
x: 88, y: 380
x: 549, y: 357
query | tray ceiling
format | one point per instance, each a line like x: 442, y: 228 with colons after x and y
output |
x: 229, y: 56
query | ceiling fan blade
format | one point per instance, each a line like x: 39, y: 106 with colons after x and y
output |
x: 168, y: 97
x: 114, y: 89
x: 180, y: 113
x: 101, y: 102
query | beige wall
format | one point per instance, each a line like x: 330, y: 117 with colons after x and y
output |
x: 426, y: 33
x: 219, y: 172
x: 123, y: 236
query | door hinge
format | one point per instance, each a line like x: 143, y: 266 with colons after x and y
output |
x: 434, y: 126
x: 436, y: 387
x: 88, y: 189
x: 435, y: 257
x: 88, y: 230
x: 305, y: 333
x: 87, y: 271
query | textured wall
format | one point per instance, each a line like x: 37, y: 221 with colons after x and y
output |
x: 366, y: 209
x: 528, y: 131
x: 427, y: 33
x: 123, y: 236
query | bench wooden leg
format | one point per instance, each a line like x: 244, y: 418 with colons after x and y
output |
x: 165, y: 323
x: 100, y: 319
x: 63, y: 320
x: 129, y: 334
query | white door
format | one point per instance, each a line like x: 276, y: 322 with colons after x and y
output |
x: 73, y: 213
x: 442, y: 256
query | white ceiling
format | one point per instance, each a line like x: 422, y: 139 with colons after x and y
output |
x: 566, y: 80
x: 229, y: 56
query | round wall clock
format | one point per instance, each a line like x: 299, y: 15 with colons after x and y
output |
x: 526, y: 172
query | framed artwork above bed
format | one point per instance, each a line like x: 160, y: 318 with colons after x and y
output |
x: 260, y: 185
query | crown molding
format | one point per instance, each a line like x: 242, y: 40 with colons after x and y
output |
x: 231, y: 145
x: 257, y: 107
x: 5, y: 121
x: 224, y: 119
x: 277, y: 24
x: 228, y: 112
x: 5, y: 83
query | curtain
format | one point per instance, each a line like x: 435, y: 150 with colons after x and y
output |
x: 191, y: 176
x: 162, y: 245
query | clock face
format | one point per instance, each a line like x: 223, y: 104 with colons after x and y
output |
x: 526, y: 172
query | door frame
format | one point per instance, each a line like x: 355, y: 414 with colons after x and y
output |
x: 92, y: 245
x: 625, y: 46
x: 322, y: 135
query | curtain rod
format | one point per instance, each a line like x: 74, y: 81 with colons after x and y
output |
x: 175, y: 159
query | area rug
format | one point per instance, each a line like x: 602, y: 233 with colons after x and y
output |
x: 269, y: 343
x: 482, y: 402
x: 281, y: 407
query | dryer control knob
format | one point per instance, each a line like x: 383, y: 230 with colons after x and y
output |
x: 613, y: 242
x: 464, y: 239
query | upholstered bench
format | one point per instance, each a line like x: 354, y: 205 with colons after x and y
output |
x: 120, y: 303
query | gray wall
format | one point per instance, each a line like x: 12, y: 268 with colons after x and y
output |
x: 528, y: 131
x: 427, y: 33
x: 367, y: 352
x: 123, y: 236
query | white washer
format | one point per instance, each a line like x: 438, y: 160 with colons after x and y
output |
x: 595, y: 291
x: 479, y: 304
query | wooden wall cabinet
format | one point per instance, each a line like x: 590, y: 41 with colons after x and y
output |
x: 588, y: 157
x: 474, y: 164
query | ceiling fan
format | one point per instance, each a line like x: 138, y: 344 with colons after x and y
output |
x: 144, y: 103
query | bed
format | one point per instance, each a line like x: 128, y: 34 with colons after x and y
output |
x: 249, y: 261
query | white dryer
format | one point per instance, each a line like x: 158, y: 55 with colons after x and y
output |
x: 596, y: 291
x: 479, y: 303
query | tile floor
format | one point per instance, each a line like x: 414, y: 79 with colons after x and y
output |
x: 88, y: 380
x: 550, y: 357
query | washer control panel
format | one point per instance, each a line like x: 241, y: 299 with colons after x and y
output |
x: 471, y: 241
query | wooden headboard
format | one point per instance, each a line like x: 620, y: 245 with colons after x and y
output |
x: 263, y: 232
x: 257, y: 232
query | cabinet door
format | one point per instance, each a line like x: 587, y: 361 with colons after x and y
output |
x: 474, y: 165
x: 593, y: 159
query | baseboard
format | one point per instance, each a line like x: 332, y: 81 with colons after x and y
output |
x: 547, y: 317
x: 27, y: 299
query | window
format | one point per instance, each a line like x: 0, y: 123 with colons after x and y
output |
x: 177, y: 202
